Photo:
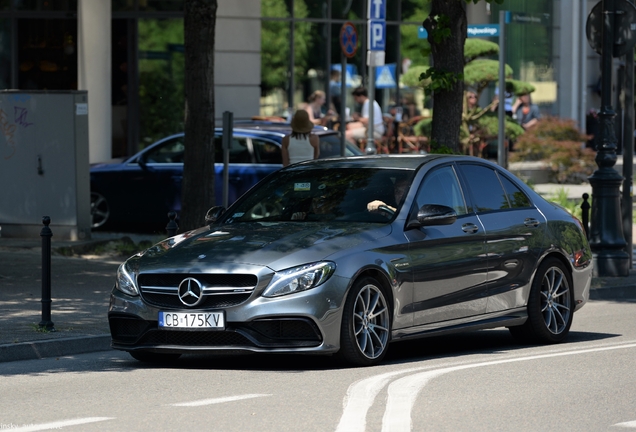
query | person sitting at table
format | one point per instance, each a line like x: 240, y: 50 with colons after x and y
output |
x: 314, y: 108
x: 357, y: 129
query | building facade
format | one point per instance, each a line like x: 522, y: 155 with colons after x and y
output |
x: 269, y: 56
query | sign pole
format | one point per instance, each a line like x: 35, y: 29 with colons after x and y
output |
x: 349, y: 47
x: 501, y: 111
x: 376, y: 36
x: 343, y: 103
x: 370, y: 149
x: 628, y: 153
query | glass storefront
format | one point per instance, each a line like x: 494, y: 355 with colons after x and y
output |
x: 47, y: 54
x: 529, y: 46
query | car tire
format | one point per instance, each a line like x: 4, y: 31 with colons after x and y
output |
x: 153, y: 357
x: 366, y: 324
x: 100, y: 210
x: 550, y: 306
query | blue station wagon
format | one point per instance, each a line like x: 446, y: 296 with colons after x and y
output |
x: 139, y: 192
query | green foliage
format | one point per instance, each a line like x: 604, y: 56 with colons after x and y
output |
x: 412, y: 47
x: 440, y: 80
x: 572, y: 206
x: 489, y: 126
x: 480, y: 73
x: 519, y: 88
x: 412, y: 77
x: 437, y: 148
x: 476, y: 47
x: 560, y: 144
x: 423, y: 127
x: 161, y: 79
x: 441, y: 28
x: 275, y: 44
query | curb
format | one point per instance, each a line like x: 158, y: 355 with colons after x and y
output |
x: 626, y: 292
x: 54, y: 348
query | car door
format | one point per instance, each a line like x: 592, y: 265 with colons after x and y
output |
x: 448, y: 261
x: 251, y: 160
x: 153, y: 182
x: 515, y: 232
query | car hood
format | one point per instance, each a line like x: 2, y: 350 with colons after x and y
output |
x: 275, y: 245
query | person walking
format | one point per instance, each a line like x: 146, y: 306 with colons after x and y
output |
x: 300, y: 145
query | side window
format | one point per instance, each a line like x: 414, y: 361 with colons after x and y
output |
x: 441, y: 186
x: 516, y: 197
x: 485, y: 188
x: 266, y: 152
x: 167, y: 152
x: 239, y: 153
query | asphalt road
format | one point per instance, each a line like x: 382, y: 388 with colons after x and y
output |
x: 470, y: 382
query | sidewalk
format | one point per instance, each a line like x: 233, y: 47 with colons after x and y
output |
x: 80, y: 290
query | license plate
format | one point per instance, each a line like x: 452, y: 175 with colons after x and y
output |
x: 192, y: 320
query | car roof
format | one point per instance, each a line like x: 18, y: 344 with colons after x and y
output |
x: 282, y: 128
x: 403, y: 161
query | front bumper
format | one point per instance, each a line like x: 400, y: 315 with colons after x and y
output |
x: 304, y: 322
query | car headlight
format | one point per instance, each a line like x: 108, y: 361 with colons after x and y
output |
x: 125, y: 281
x: 299, y: 279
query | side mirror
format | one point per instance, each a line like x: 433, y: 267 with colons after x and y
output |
x: 214, y: 214
x: 434, y: 214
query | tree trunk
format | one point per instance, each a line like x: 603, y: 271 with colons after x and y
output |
x: 197, y: 194
x: 448, y: 56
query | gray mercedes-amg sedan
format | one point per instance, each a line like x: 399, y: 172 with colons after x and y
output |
x: 343, y: 256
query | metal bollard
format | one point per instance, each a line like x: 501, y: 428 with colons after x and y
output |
x: 172, y: 227
x: 585, y: 214
x: 46, y: 235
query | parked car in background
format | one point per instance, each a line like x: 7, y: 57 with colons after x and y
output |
x: 352, y: 254
x: 138, y: 192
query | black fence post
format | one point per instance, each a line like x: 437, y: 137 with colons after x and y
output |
x: 46, y: 235
x: 585, y: 215
x: 172, y: 227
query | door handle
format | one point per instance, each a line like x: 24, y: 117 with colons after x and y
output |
x: 470, y: 228
x: 531, y: 222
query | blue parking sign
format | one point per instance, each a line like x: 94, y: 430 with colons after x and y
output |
x: 377, y: 35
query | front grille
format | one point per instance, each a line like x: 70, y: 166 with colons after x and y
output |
x: 208, y: 302
x: 220, y: 290
x: 206, y: 279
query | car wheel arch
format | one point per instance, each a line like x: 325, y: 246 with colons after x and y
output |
x: 380, y: 276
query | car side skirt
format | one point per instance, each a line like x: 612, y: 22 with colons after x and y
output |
x: 507, y: 318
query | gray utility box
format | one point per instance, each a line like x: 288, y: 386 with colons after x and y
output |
x: 44, y: 165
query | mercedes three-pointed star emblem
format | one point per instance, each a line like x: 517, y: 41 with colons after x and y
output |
x: 190, y: 292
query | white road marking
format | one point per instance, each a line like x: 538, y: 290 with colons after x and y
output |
x: 60, y: 424
x: 403, y: 392
x: 218, y: 400
x: 631, y: 424
x: 360, y: 397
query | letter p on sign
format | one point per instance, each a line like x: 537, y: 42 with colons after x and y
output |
x: 377, y: 31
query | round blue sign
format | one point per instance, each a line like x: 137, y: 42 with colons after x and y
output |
x: 349, y: 39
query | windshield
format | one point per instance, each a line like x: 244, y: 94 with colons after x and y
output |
x: 321, y: 194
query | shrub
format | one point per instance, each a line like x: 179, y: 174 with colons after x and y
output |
x: 560, y: 144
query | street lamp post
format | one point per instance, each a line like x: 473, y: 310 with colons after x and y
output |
x: 606, y: 232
